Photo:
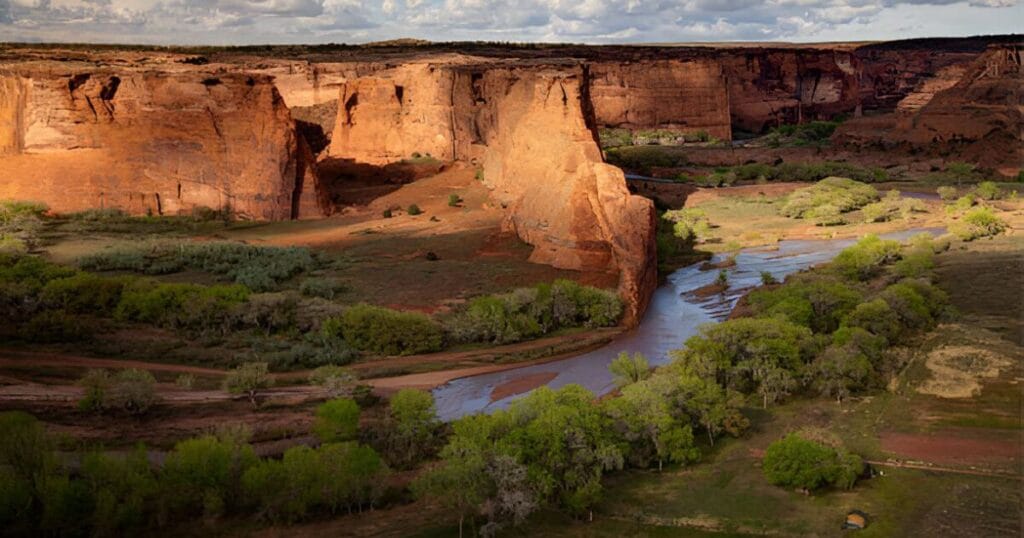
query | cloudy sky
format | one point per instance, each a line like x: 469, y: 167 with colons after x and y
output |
x: 580, y: 21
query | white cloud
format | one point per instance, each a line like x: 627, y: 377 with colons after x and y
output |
x: 597, y: 21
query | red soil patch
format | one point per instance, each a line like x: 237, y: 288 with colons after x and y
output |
x: 704, y: 292
x: 521, y: 384
x: 950, y: 448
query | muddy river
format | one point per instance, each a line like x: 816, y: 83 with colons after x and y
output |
x: 673, y: 316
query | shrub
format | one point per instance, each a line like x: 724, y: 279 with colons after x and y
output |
x: 336, y: 420
x: 178, y: 305
x: 865, y: 258
x: 826, y: 215
x: 248, y: 379
x: 132, y: 391
x: 269, y: 312
x: 337, y: 381
x: 796, y: 462
x: 84, y: 293
x: 768, y: 279
x: 947, y: 193
x: 814, y: 133
x: 129, y: 390
x: 389, y: 332
x: 387, y: 214
x: 96, y: 384
x: 961, y: 204
x: 257, y: 267
x: 122, y: 489
x: 414, y: 209
x: 321, y: 287
x: 689, y: 224
x: 844, y: 194
x: 916, y: 262
x: 908, y: 304
x: 978, y: 222
x: 454, y: 200
x: 988, y: 190
x: 31, y: 271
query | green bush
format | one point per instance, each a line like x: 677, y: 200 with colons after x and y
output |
x: 961, y: 204
x: 389, y: 332
x: 689, y: 224
x: 796, y: 462
x: 642, y: 159
x: 249, y: 379
x: 337, y: 381
x: 454, y: 200
x: 32, y: 272
x: 947, y: 193
x: 988, y: 190
x: 414, y: 209
x: 336, y: 421
x: 917, y: 262
x: 268, y: 312
x: 179, y: 305
x: 876, y: 317
x: 818, y: 303
x: 130, y: 390
x: 814, y: 133
x: 865, y: 259
x: 977, y: 223
x: 826, y: 215
x: 530, y: 312
x: 844, y: 194
x: 123, y: 491
x: 84, y: 293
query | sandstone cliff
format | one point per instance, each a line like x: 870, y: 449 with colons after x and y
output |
x: 527, y: 129
x: 143, y: 141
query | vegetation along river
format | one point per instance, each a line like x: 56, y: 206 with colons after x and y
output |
x: 674, y: 315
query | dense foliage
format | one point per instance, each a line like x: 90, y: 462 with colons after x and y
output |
x: 828, y: 197
x: 208, y: 476
x: 258, y: 268
x: 530, y: 312
x: 796, y: 461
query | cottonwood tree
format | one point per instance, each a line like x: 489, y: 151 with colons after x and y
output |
x: 642, y: 417
x: 410, y: 429
x: 712, y: 406
x: 628, y: 369
x: 839, y: 371
x: 773, y: 381
x: 336, y: 421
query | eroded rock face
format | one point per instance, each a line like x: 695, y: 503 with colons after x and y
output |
x: 529, y: 130
x: 771, y: 87
x: 150, y: 142
x: 684, y: 96
x: 978, y: 119
x: 544, y: 163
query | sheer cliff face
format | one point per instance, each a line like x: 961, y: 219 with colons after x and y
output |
x: 773, y: 87
x: 149, y: 142
x: 687, y: 96
x: 392, y: 116
x: 529, y: 131
x: 543, y: 162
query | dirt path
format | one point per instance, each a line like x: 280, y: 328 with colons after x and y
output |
x: 9, y: 358
x: 951, y: 470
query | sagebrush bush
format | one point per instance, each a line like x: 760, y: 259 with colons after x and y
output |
x: 257, y: 267
x: 864, y: 259
x: 842, y: 193
x: 689, y: 224
x: 977, y: 223
x: 326, y: 288
x: 947, y: 193
x: 988, y: 190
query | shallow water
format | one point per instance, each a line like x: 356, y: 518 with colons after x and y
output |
x: 673, y: 316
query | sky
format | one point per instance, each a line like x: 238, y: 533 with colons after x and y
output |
x: 241, y: 22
